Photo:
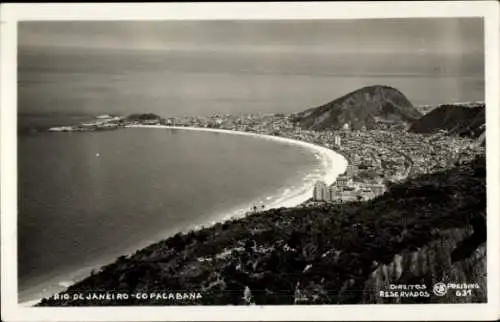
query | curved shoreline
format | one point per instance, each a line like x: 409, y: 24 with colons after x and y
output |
x: 333, y: 156
x: 333, y: 162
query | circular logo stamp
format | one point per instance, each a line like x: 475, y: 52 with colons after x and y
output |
x: 440, y: 289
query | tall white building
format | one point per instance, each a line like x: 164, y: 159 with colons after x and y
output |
x: 337, y: 141
x: 321, y: 192
x: 335, y: 193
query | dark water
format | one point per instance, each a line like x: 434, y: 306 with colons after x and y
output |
x: 87, y: 196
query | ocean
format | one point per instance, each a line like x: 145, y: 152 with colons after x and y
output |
x: 175, y: 83
x: 86, y: 198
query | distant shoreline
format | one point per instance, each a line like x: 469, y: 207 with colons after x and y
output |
x: 333, y: 161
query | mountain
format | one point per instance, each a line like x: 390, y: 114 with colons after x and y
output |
x: 367, y: 107
x: 428, y: 229
x: 459, y: 119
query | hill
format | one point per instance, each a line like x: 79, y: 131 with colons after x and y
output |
x: 424, y: 109
x: 429, y: 229
x: 459, y: 119
x: 145, y: 117
x: 367, y: 107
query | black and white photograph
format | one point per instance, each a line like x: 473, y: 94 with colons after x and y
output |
x: 266, y: 162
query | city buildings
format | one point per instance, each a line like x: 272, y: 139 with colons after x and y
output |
x: 321, y: 192
x: 343, y: 181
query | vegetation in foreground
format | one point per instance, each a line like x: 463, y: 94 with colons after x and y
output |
x: 325, y: 254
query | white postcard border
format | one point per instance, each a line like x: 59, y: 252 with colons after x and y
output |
x: 12, y: 13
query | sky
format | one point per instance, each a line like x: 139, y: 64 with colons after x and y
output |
x: 230, y: 65
x: 371, y: 36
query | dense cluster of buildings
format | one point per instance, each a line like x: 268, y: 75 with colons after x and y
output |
x: 345, y: 189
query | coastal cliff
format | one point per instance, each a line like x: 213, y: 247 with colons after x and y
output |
x: 433, y: 224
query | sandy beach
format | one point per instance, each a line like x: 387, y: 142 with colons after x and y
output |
x: 332, y: 164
